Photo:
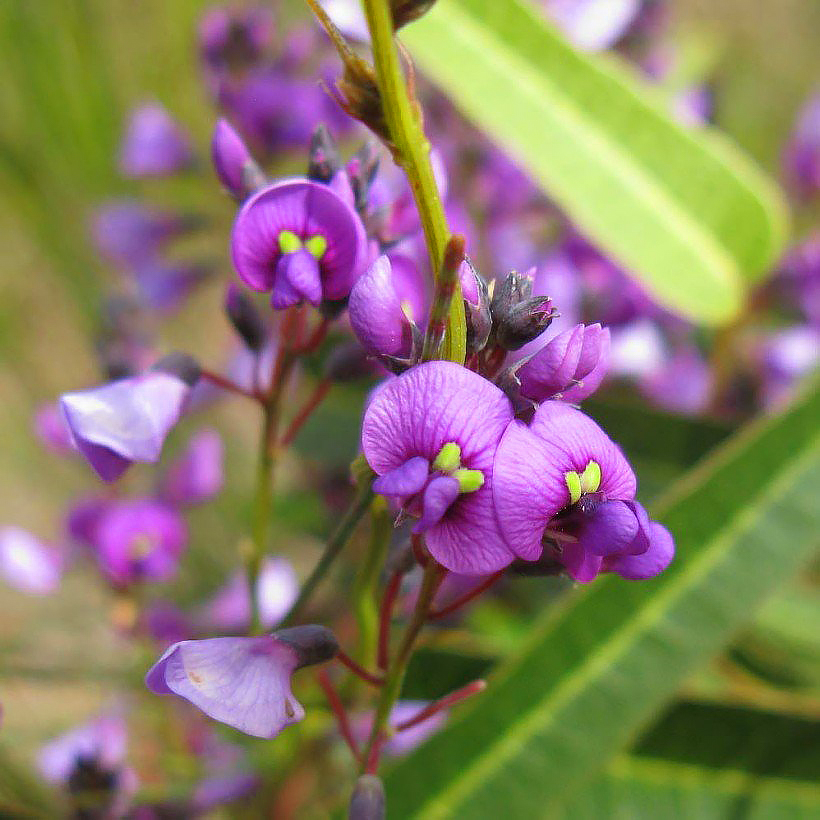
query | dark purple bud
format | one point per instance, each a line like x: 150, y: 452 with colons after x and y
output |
x: 324, y: 159
x: 523, y: 322
x: 476, y: 306
x: 312, y: 643
x: 405, y: 11
x: 245, y: 318
x: 233, y: 163
x: 361, y: 170
x: 367, y: 801
x: 181, y: 365
x: 348, y: 362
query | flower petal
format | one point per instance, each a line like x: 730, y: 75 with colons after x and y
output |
x: 608, y: 529
x: 593, y: 364
x: 551, y: 369
x: 405, y: 480
x: 652, y: 562
x: 242, y: 682
x: 441, y: 492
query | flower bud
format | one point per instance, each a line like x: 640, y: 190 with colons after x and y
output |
x: 518, y: 317
x: 361, y: 171
x: 476, y: 306
x: 405, y: 11
x: 367, y: 801
x: 181, y: 365
x: 324, y: 159
x: 245, y: 318
x: 348, y: 362
x: 312, y: 643
x: 233, y: 163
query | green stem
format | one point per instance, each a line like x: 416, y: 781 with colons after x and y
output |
x: 412, y: 151
x: 364, y: 590
x: 433, y: 576
x: 334, y: 546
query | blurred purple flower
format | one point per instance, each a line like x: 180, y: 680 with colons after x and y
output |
x: 563, y: 483
x: 433, y: 450
x: 153, y: 144
x: 197, y: 474
x: 233, y: 163
x: 125, y: 421
x: 802, y: 155
x: 799, y: 276
x: 51, y: 430
x: 300, y: 240
x: 683, y: 383
x: 164, y: 287
x: 277, y: 588
x: 234, y: 38
x: 402, y: 743
x: 785, y: 357
x: 138, y: 541
x: 593, y: 25
x: 28, y: 564
x: 637, y: 349
x: 130, y: 234
x: 243, y: 682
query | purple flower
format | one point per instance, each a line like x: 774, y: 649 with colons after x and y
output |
x: 563, y: 485
x: 51, y: 430
x: 276, y: 590
x: 785, y: 357
x: 571, y: 366
x: 380, y: 318
x: 430, y: 435
x: 164, y: 287
x: 139, y: 541
x: 300, y: 240
x: 196, y: 476
x: 683, y: 383
x: 402, y: 743
x: 130, y: 234
x: 799, y: 276
x: 28, y: 564
x: 637, y: 349
x: 593, y: 25
x: 89, y: 762
x: 125, y: 421
x: 233, y: 163
x: 802, y: 156
x: 243, y: 682
x: 234, y: 38
x: 153, y: 144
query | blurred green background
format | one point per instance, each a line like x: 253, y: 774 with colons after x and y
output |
x: 71, y: 70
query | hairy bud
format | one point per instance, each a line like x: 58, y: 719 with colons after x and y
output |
x: 181, y: 365
x: 405, y: 11
x: 245, y: 318
x: 476, y: 307
x: 312, y: 643
x: 519, y: 317
x: 324, y: 159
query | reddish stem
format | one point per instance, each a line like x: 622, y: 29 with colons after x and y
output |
x: 385, y: 613
x: 356, y: 669
x: 316, y: 338
x: 338, y: 709
x: 466, y: 598
x: 230, y: 386
x: 304, y: 414
x: 372, y: 764
x: 443, y: 703
x: 419, y: 551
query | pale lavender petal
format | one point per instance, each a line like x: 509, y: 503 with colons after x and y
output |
x: 439, y: 495
x: 593, y: 25
x: 27, y: 564
x: 401, y: 743
x: 51, y: 429
x: 242, y: 682
x: 197, y: 475
x: 637, y: 349
x: 153, y: 144
x: 582, y: 440
x: 650, y: 563
x: 405, y: 480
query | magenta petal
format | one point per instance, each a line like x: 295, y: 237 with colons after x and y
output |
x: 570, y: 430
x: 650, y: 563
x: 580, y: 564
x: 593, y: 364
x: 441, y: 492
x: 376, y: 314
x: 550, y: 370
x: 242, y: 682
x: 410, y: 286
x: 609, y: 529
x: 404, y: 480
x: 529, y: 487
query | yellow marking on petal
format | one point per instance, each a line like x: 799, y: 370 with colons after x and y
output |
x: 316, y: 246
x: 289, y: 242
x: 449, y: 458
x: 469, y: 480
x: 591, y: 477
x: 574, y: 486
x: 407, y: 309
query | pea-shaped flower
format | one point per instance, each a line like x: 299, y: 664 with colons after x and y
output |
x: 127, y: 420
x: 243, y: 682
x: 431, y: 435
x: 299, y: 240
x: 563, y: 485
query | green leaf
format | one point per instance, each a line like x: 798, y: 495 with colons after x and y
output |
x: 679, y: 207
x: 633, y: 788
x: 594, y: 672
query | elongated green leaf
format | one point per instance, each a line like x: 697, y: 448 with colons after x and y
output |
x: 680, y: 208
x: 634, y: 788
x: 593, y: 675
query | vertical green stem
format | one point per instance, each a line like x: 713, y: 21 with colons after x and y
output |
x: 404, y: 121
